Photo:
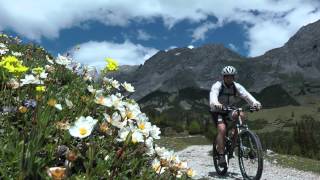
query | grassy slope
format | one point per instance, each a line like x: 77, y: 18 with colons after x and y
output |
x: 296, y: 162
x: 180, y: 143
x: 279, y: 117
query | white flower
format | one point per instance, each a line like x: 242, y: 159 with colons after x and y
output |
x: 106, y: 158
x: 49, y: 60
x: 155, y: 132
x: 119, y: 95
x: 2, y: 46
x: 58, y: 106
x: 17, y: 54
x: 69, y: 103
x: 156, y: 166
x: 83, y: 127
x: 144, y: 127
x: 63, y: 60
x: 117, y: 103
x: 3, y: 51
x: 105, y: 101
x: 91, y: 89
x: 30, y: 79
x: 149, y: 144
x: 128, y: 87
x: 179, y: 174
x: 106, y: 80
x: 99, y: 92
x: 142, y: 117
x: 115, y: 120
x: 115, y: 84
x: 132, y: 111
x: 137, y: 136
x: 43, y: 75
x: 123, y: 133
x: 169, y: 156
x: 160, y: 150
x: 87, y: 77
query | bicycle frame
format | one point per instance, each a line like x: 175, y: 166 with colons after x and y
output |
x: 239, y: 139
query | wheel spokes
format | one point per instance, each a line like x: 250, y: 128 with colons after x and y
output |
x: 249, y: 155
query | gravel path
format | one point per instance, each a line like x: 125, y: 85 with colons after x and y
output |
x: 198, y: 158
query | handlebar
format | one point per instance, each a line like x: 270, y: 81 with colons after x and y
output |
x: 233, y: 108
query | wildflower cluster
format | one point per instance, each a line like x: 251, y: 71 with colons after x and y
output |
x: 60, y: 122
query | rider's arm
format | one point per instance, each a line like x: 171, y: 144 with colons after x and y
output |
x: 214, y: 93
x: 243, y: 93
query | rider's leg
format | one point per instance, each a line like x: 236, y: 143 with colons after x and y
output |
x: 234, y: 132
x: 221, y: 137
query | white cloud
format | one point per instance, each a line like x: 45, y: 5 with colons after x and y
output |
x: 94, y: 53
x: 142, y: 35
x: 36, y: 18
x: 233, y: 47
x: 199, y: 32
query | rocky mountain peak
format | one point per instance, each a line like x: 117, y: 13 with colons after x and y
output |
x: 297, y: 61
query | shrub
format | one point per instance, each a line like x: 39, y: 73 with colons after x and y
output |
x: 194, y: 127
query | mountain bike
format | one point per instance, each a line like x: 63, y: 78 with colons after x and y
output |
x: 248, y: 145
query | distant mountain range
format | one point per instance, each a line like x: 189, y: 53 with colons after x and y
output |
x: 178, y: 81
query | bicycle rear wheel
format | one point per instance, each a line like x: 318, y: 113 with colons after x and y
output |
x: 220, y: 170
x: 250, y: 155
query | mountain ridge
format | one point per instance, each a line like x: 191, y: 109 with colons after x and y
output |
x: 290, y: 65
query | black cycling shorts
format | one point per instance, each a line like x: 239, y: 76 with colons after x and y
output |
x: 219, y: 117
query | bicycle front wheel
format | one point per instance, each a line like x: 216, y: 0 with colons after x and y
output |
x: 250, y: 155
x: 220, y: 170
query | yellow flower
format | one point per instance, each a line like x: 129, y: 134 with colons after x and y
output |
x: 141, y: 126
x: 112, y: 65
x: 190, y: 172
x: 52, y: 102
x: 40, y: 88
x: 82, y: 131
x: 57, y: 173
x: 13, y: 65
x: 23, y: 109
x: 37, y: 70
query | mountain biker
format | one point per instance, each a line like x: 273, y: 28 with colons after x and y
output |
x: 224, y: 93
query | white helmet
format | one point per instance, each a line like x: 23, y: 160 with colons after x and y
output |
x: 229, y: 70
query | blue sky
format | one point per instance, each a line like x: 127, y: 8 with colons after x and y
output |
x: 133, y: 31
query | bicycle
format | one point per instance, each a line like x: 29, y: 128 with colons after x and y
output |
x: 249, y: 148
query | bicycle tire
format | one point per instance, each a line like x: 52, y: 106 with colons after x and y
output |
x: 259, y: 155
x: 220, y: 171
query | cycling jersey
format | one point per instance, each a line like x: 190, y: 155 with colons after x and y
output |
x: 222, y: 94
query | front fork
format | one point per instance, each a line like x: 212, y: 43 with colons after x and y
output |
x: 241, y: 127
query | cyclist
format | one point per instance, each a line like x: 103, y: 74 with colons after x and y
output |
x: 224, y: 93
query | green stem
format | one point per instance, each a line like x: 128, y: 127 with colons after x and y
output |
x: 91, y: 159
x: 23, y: 160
